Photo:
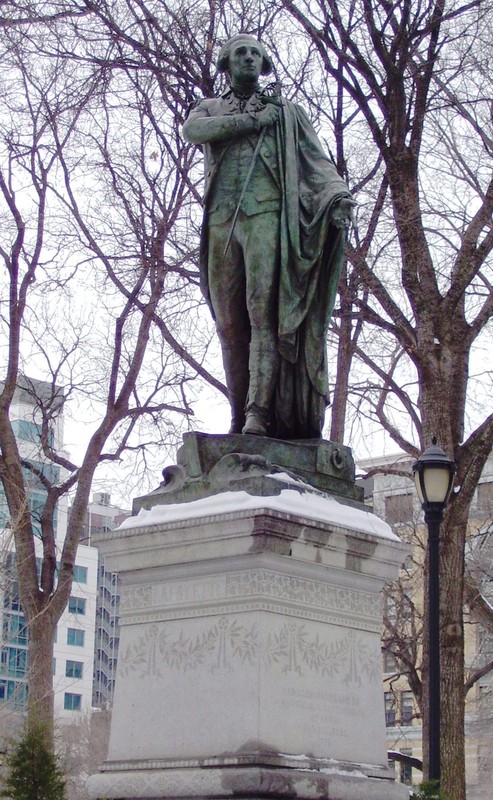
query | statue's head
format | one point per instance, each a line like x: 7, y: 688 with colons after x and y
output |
x: 242, y: 38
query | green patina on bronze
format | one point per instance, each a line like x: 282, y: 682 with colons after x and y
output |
x: 208, y: 465
x: 275, y: 218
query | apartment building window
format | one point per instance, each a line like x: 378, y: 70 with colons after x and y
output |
x: 406, y: 769
x: 390, y: 607
x: 14, y: 661
x: 77, y: 605
x: 485, y: 646
x: 485, y: 497
x: 75, y: 637
x: 30, y: 431
x: 73, y: 669
x: 14, y: 629
x: 389, y: 699
x: 407, y: 708
x: 398, y: 508
x: 14, y: 692
x: 80, y: 574
x: 407, y: 605
x: 389, y: 662
x: 72, y: 702
x: 11, y: 600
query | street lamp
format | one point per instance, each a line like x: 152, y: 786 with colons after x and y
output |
x: 434, y: 477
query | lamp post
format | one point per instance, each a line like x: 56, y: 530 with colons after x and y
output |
x: 434, y: 476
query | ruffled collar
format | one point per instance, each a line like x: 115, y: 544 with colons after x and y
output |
x: 237, y: 102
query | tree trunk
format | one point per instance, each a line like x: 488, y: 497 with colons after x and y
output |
x: 438, y: 409
x: 452, y: 651
x: 40, y: 658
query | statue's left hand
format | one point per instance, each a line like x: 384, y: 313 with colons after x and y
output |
x: 341, y: 214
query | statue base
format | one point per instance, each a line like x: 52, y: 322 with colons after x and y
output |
x: 240, y: 783
x: 249, y: 661
x: 208, y: 464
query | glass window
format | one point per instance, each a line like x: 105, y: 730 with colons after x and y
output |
x: 14, y: 629
x: 390, y: 607
x: 14, y: 693
x: 398, y: 508
x: 77, y: 605
x: 389, y: 662
x: 37, y: 502
x: 73, y: 669
x: 406, y: 708
x: 485, y: 646
x: 406, y: 769
x: 485, y: 497
x: 75, y: 637
x: 14, y: 661
x: 80, y: 574
x: 26, y: 430
x: 389, y: 708
x: 72, y: 702
x: 49, y: 471
x: 11, y: 596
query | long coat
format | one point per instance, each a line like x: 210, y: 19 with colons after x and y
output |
x: 311, y: 256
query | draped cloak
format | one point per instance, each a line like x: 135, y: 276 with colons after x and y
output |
x: 311, y: 256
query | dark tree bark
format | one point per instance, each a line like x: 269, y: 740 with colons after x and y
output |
x: 395, y: 66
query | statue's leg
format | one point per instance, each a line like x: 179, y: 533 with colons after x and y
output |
x: 261, y: 249
x: 227, y: 291
x: 235, y: 361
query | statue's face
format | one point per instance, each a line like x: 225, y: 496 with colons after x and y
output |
x: 245, y: 63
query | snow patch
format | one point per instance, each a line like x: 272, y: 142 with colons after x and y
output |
x: 289, y: 501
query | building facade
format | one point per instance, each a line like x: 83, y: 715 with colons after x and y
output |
x: 394, y: 499
x: 102, y: 517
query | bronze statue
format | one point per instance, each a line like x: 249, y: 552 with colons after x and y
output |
x: 276, y: 214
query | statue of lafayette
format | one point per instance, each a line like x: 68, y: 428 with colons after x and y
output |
x: 276, y: 214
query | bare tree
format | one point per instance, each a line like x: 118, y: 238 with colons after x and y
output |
x: 99, y: 293
x: 407, y: 117
x: 421, y: 260
x: 400, y: 93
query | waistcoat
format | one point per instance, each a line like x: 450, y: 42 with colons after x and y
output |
x: 263, y: 192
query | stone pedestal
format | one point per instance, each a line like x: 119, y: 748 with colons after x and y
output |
x: 249, y: 660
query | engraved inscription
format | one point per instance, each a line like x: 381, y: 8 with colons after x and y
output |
x: 174, y: 593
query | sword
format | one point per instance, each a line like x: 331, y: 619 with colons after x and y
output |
x: 270, y: 95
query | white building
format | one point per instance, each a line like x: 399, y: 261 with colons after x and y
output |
x: 74, y: 645
x: 102, y: 517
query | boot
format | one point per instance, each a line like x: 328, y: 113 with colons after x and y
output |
x: 235, y: 362
x: 263, y: 367
x: 255, y: 424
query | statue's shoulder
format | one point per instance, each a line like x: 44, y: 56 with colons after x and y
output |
x: 212, y: 106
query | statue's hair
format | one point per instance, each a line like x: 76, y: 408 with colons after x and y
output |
x: 225, y: 52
